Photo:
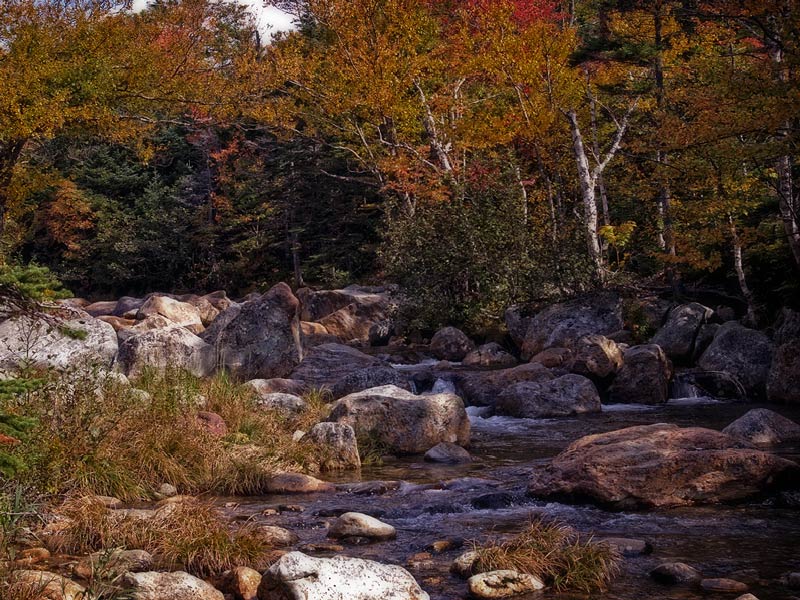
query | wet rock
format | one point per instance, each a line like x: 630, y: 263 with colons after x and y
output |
x: 746, y: 354
x: 447, y: 453
x: 566, y: 395
x: 678, y: 334
x: 675, y: 572
x: 369, y: 377
x: 553, y: 358
x: 494, y: 501
x: 482, y: 388
x: 371, y: 488
x: 353, y: 524
x: 761, y: 426
x: 490, y: 355
x: 629, y: 546
x: 66, y: 340
x: 297, y: 576
x: 723, y: 586
x: 46, y: 586
x: 323, y: 547
x: 440, y: 546
x: 402, y: 422
x: 179, y: 313
x: 262, y: 340
x: 326, y: 364
x: 783, y: 381
x: 170, y: 347
x: 451, y: 344
x: 296, y: 483
x: 464, y: 564
x: 212, y: 423
x: 503, y: 584
x: 660, y: 465
x: 562, y: 325
x: 169, y: 586
x: 112, y: 564
x: 274, y: 536
x: 644, y: 377
x: 285, y: 404
x: 242, y: 583
x: 339, y: 443
x: 596, y: 357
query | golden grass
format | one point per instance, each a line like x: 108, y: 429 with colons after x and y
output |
x: 556, y: 553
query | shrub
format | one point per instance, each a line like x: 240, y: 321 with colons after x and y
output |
x: 556, y: 553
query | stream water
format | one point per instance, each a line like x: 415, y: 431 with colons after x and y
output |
x: 755, y: 543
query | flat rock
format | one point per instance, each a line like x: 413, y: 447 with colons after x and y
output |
x: 178, y: 585
x: 723, y: 586
x: 353, y: 524
x: 503, y: 584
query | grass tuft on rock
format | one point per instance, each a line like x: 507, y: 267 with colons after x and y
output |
x: 554, y: 552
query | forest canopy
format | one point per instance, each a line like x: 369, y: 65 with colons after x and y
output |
x: 477, y: 152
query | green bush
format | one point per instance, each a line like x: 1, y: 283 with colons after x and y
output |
x: 33, y: 282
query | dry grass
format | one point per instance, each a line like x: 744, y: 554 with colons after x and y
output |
x: 191, y: 535
x: 106, y: 438
x: 556, y: 553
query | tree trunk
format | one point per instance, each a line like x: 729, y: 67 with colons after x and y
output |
x: 738, y: 265
x: 587, y: 184
x: 788, y: 205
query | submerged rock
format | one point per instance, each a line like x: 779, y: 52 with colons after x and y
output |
x: 660, y: 465
x: 297, y: 576
x: 761, y: 426
x: 566, y: 395
x: 402, y: 422
x: 675, y: 572
x: 721, y: 585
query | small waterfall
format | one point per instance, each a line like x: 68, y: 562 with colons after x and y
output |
x: 443, y: 386
x: 683, y: 386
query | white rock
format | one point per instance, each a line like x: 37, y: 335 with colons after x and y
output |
x: 353, y: 524
x: 170, y: 586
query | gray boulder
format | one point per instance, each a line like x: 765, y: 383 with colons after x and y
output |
x: 761, y: 426
x: 677, y: 336
x: 369, y: 377
x: 491, y: 355
x: 450, y: 343
x: 286, y: 404
x: 447, y: 453
x: 596, y: 357
x: 326, y: 364
x: 783, y: 381
x: 644, y: 377
x: 178, y: 585
x: 169, y: 347
x: 402, y: 422
x: 339, y: 444
x: 481, y: 388
x: 566, y: 395
x: 746, y: 354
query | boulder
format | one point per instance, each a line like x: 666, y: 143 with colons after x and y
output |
x: 562, y: 325
x: 403, y: 422
x: 179, y: 313
x: 451, y: 344
x: 127, y: 307
x: 517, y: 321
x: 262, y: 338
x: 148, y: 324
x: 381, y: 332
x: 644, y: 377
x: 464, y: 565
x: 369, y: 377
x: 45, y: 586
x: 241, y: 583
x: 447, y: 453
x: 355, y: 321
x: 596, y: 357
x: 296, y: 483
x: 553, y: 358
x: 566, y: 395
x: 489, y: 355
x: 285, y: 404
x: 761, y: 426
x: 721, y: 585
x: 744, y: 353
x: 659, y: 466
x: 102, y: 308
x: 276, y: 385
x: 316, y: 305
x: 326, y: 364
x: 297, y: 576
x: 787, y: 327
x: 339, y: 445
x: 783, y: 381
x: 677, y: 336
x: 675, y: 572
x: 219, y: 300
x: 481, y: 388
x: 503, y: 584
x: 112, y: 564
x: 275, y: 537
x: 173, y: 346
x: 118, y: 323
x: 62, y: 341
x: 353, y: 524
x: 213, y: 423
x: 178, y: 585
x: 704, y: 338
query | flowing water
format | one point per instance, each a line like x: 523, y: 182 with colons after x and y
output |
x: 755, y: 543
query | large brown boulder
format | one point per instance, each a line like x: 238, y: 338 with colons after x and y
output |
x: 481, y: 388
x: 743, y: 353
x: 563, y: 324
x: 566, y: 395
x: 326, y: 364
x: 450, y: 343
x: 596, y: 357
x: 180, y: 313
x: 262, y: 339
x: 677, y: 336
x: 660, y: 465
x: 163, y: 348
x: 403, y: 422
x: 644, y: 376
x: 783, y: 381
x: 349, y: 313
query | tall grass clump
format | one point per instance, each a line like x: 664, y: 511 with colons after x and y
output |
x: 556, y: 553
